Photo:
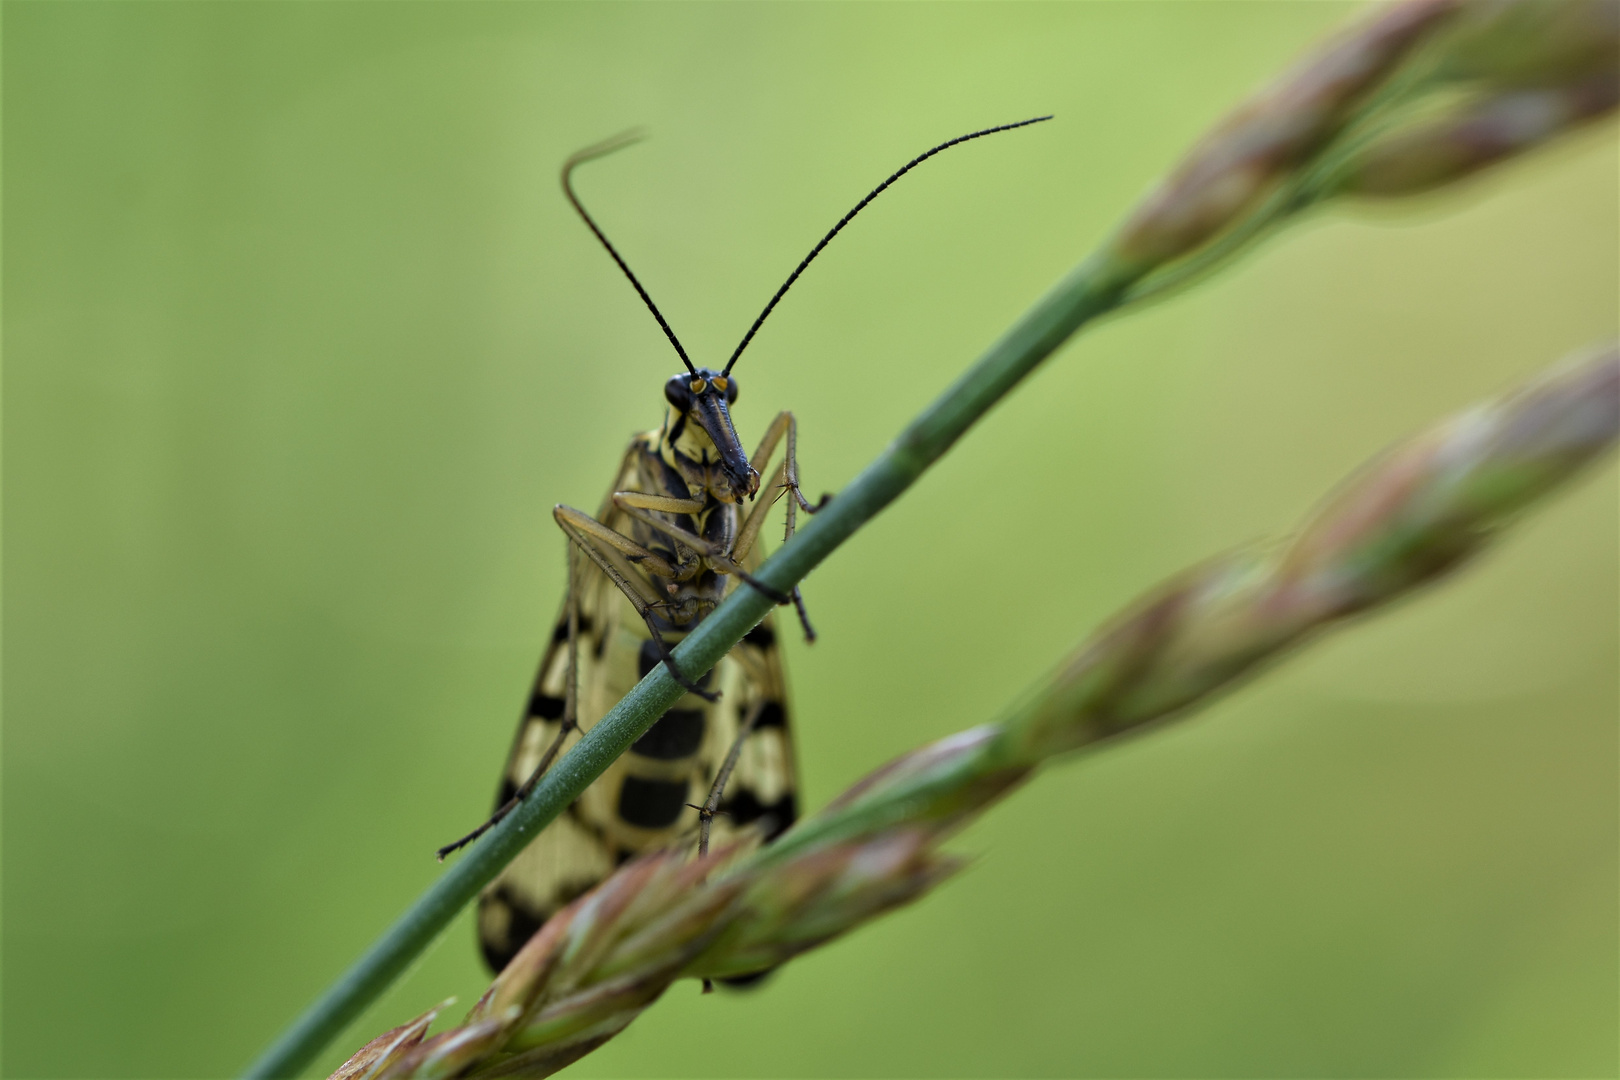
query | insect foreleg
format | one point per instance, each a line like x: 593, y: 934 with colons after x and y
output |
x: 790, y: 480
x: 784, y: 424
x: 581, y: 529
x: 709, y: 550
x: 579, y: 526
x: 787, y: 479
x: 666, y: 503
x: 756, y: 517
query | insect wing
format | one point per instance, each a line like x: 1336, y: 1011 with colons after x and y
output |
x: 763, y: 791
x: 569, y: 857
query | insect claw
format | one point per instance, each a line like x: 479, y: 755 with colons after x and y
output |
x: 457, y: 845
x: 688, y: 684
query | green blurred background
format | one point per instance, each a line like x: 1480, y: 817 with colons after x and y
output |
x: 302, y: 343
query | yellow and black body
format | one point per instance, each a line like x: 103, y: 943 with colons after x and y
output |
x: 663, y: 550
x: 688, y: 478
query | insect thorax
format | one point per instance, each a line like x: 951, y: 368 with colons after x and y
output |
x: 684, y: 468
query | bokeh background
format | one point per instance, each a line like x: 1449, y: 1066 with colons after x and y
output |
x: 302, y: 343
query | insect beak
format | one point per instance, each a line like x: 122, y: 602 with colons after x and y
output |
x: 710, y: 411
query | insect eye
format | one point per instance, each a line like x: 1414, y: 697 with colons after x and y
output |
x: 729, y: 385
x: 676, y: 394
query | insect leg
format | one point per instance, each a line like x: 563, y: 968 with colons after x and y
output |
x: 785, y: 424
x: 756, y: 517
x: 582, y: 529
x: 711, y: 551
x: 804, y: 616
x: 787, y: 479
x: 569, y: 719
x: 790, y: 480
x: 767, y: 445
x: 666, y: 503
x: 711, y: 805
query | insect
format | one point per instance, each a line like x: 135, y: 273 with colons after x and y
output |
x: 665, y: 547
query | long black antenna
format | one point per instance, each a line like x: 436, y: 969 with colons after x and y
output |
x: 845, y: 220
x: 590, y: 153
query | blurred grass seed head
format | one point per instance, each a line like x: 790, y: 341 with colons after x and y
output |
x: 1407, y: 518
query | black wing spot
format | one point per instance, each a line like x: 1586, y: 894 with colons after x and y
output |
x: 762, y: 636
x: 521, y: 925
x: 578, y: 816
x: 545, y: 706
x: 559, y: 634
x: 677, y: 734
x: 650, y: 658
x: 651, y: 804
x: 522, y: 920
x: 772, y: 715
x: 745, y: 807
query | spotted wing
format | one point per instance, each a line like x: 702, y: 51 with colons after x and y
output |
x: 569, y: 857
x: 763, y: 790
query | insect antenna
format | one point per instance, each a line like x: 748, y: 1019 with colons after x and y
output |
x: 590, y: 153
x: 845, y: 220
